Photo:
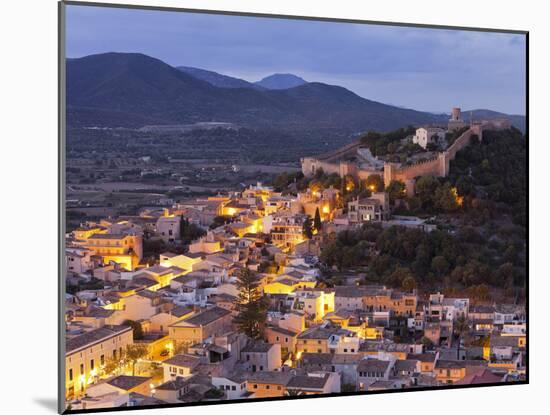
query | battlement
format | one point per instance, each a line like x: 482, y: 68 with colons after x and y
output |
x: 437, y: 166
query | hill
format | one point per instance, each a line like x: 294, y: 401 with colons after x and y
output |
x: 133, y: 90
x: 216, y: 79
x: 280, y: 81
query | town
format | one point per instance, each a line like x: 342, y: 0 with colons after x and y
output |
x: 243, y: 294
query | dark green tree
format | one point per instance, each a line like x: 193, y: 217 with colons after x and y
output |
x: 425, y: 188
x: 251, y: 305
x: 375, y: 183
x: 307, y: 228
x: 440, y: 265
x: 136, y: 328
x: 317, y: 220
x: 460, y: 328
x: 397, y: 190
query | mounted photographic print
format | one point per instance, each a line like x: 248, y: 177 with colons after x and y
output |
x: 260, y: 207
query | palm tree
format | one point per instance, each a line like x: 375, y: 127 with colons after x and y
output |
x: 461, y: 327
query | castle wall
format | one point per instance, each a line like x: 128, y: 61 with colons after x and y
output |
x: 437, y: 166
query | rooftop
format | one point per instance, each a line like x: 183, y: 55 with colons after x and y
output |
x: 204, y: 317
x: 174, y: 384
x: 372, y: 365
x: 94, y: 336
x: 127, y: 382
x: 308, y: 382
x: 257, y: 347
x: 182, y: 360
x: 107, y: 236
x: 278, y: 378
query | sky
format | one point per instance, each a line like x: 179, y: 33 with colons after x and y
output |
x: 419, y: 68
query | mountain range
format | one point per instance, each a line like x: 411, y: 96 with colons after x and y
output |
x: 134, y: 90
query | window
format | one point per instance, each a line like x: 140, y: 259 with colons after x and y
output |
x: 114, y: 354
x: 181, y: 371
x: 255, y: 386
x: 261, y: 368
x: 233, y: 388
x: 286, y: 339
x: 70, y: 374
x: 81, y: 368
x: 267, y: 386
x: 92, y: 364
x: 277, y: 338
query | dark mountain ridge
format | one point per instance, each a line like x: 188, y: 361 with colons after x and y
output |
x: 217, y: 79
x: 133, y: 90
x: 280, y: 81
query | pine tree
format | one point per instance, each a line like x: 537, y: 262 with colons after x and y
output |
x: 251, y: 305
x: 317, y: 220
x: 307, y: 228
x: 183, y: 226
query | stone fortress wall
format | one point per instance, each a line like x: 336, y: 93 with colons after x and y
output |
x: 437, y: 166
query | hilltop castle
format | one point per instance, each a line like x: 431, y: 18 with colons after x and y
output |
x: 357, y: 161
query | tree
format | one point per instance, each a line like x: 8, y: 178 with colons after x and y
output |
x: 425, y: 188
x: 251, y: 305
x: 398, y: 276
x: 220, y: 221
x: 111, y: 365
x: 189, y: 231
x: 375, y: 183
x: 183, y: 224
x: 461, y: 327
x: 307, y: 230
x: 409, y: 283
x: 446, y: 198
x: 440, y: 265
x: 136, y: 328
x: 396, y: 190
x: 317, y: 220
x: 426, y: 342
x: 135, y: 352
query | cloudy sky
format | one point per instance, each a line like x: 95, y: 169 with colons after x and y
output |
x: 423, y: 69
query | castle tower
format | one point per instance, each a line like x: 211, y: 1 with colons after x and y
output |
x: 455, y: 122
x: 455, y: 114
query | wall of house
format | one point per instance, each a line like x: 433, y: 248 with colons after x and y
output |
x: 312, y: 346
x: 73, y: 361
x: 262, y: 390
